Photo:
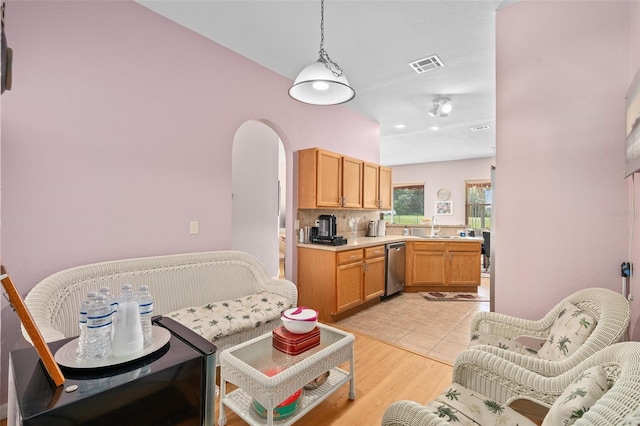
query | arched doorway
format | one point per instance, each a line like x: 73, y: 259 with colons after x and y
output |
x: 258, y: 187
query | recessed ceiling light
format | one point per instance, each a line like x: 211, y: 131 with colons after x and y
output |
x: 400, y: 126
x: 484, y: 127
x: 434, y: 128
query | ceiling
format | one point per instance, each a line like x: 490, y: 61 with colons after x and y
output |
x: 374, y: 41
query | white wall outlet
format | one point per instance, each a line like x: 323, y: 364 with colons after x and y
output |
x: 297, y: 224
x: 193, y: 227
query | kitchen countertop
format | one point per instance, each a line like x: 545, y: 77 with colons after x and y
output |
x: 361, y: 242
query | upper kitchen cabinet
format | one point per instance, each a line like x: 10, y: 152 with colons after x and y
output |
x: 385, y: 188
x: 376, y: 187
x: 351, y: 182
x: 330, y: 180
x: 370, y: 184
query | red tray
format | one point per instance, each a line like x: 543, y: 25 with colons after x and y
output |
x: 294, y: 344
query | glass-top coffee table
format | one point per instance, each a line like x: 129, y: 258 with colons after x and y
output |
x: 244, y: 366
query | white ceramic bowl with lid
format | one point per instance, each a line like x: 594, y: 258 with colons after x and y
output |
x: 301, y: 314
x: 298, y: 327
x: 299, y: 320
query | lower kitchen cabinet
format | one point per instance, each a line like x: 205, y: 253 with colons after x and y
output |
x: 374, y: 273
x: 348, y: 280
x: 335, y: 282
x: 429, y: 263
x: 442, y: 266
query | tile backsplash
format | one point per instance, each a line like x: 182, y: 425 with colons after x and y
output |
x: 308, y: 217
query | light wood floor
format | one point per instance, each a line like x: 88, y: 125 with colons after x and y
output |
x: 384, y: 373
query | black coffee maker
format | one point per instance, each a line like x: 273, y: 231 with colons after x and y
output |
x: 328, y: 226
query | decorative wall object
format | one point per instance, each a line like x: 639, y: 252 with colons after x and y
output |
x: 444, y: 208
x: 632, y: 151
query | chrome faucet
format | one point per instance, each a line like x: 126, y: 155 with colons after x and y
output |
x: 433, y: 225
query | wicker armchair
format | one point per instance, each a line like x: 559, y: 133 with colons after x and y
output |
x: 608, y: 308
x: 507, y: 383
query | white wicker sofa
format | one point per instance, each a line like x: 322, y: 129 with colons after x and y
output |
x: 218, y: 281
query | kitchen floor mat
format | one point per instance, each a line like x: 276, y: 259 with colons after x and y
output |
x: 452, y: 296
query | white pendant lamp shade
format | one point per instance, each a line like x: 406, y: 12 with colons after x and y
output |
x: 317, y: 85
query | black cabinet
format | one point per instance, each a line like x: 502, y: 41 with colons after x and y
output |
x: 174, y: 385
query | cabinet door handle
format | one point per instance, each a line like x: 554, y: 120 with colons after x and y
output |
x: 353, y: 256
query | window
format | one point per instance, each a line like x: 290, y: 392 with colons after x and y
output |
x: 478, y: 204
x: 408, y: 204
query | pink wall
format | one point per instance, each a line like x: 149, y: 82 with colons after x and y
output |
x: 562, y: 74
x: 118, y: 132
x: 634, y: 66
x: 445, y: 174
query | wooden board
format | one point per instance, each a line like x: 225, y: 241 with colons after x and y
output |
x: 27, y: 321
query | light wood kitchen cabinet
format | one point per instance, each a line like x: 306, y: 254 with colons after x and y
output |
x: 370, y: 198
x: 349, y: 279
x: 429, y: 263
x: 376, y: 187
x: 328, y: 180
x: 374, y: 273
x: 352, y: 182
x: 385, y: 188
x: 333, y: 283
x: 464, y: 263
x: 443, y: 265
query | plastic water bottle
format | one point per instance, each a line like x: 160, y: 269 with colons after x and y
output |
x: 99, y: 323
x: 127, y: 331
x: 82, y: 339
x: 145, y: 301
x: 109, y: 299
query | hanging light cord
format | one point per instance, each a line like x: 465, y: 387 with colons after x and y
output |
x: 324, y: 56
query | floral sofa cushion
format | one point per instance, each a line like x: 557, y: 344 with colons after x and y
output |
x: 577, y: 398
x: 483, y: 338
x: 460, y: 405
x: 216, y: 320
x: 569, y: 331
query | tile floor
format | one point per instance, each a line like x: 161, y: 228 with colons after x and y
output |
x: 437, y: 329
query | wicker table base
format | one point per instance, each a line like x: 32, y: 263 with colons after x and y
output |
x: 244, y: 365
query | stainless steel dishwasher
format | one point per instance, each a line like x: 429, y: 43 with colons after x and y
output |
x: 394, y: 265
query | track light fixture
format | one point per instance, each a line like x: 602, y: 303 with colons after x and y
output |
x: 441, y: 107
x: 323, y: 82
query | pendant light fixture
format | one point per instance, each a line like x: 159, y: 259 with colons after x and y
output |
x: 323, y: 82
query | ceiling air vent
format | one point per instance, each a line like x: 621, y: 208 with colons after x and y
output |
x: 426, y: 64
x: 475, y: 129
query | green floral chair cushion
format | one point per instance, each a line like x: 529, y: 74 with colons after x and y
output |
x: 483, y: 338
x: 569, y: 331
x: 577, y: 398
x: 216, y: 320
x: 460, y: 405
